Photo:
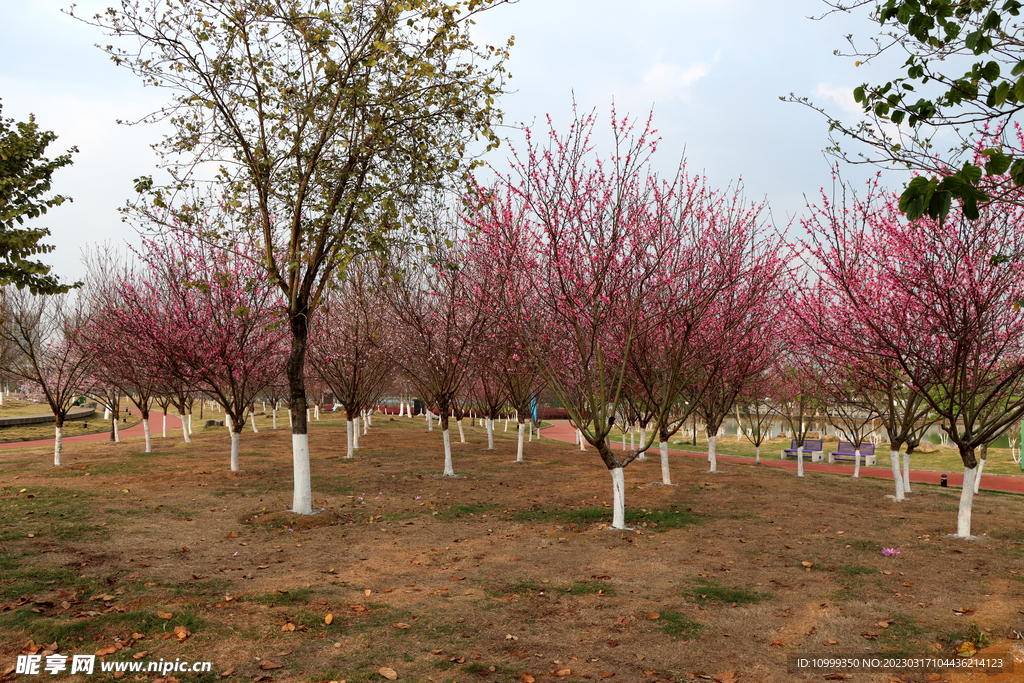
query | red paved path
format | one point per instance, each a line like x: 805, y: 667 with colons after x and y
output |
x: 155, y: 426
x: 561, y: 431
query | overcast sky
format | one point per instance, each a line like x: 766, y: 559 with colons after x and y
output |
x: 711, y: 70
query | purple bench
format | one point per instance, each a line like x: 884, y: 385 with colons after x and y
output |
x: 847, y: 452
x: 812, y: 450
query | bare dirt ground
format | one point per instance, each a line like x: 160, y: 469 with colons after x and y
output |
x: 507, y: 573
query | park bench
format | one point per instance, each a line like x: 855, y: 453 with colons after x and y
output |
x: 847, y: 452
x: 812, y: 450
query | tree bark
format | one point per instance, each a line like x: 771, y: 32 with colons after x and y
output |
x: 348, y: 431
x: 894, y: 460
x: 963, y: 515
x: 666, y: 476
x: 618, y: 498
x: 712, y: 455
x: 519, y: 447
x: 906, y: 473
x: 302, y: 497
x: 490, y: 434
x: 58, y: 443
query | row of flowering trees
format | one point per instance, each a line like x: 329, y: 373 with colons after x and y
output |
x: 636, y: 300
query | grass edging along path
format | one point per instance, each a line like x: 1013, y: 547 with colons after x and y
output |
x: 508, y: 570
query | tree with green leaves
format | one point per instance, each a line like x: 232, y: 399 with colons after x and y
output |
x: 962, y: 85
x: 322, y: 118
x: 25, y: 181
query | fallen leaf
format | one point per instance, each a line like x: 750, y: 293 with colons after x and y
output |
x: 165, y: 615
x: 140, y: 655
x: 613, y: 643
x: 653, y: 615
x: 623, y: 620
x: 639, y: 657
x: 722, y: 677
x: 562, y: 673
x: 605, y: 674
x: 387, y: 672
x: 267, y: 665
x: 831, y: 642
x: 776, y: 643
x: 436, y: 652
x: 528, y: 678
x: 328, y: 619
x: 458, y: 660
x: 402, y: 625
x: 288, y: 627
x: 807, y: 564
x: 367, y: 592
x: 181, y: 632
x: 106, y: 651
x: 932, y: 677
x: 118, y: 674
x: 966, y: 649
x: 227, y: 672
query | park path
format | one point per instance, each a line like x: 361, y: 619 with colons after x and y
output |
x: 155, y: 424
x: 561, y: 431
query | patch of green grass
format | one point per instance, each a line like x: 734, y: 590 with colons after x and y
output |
x: 68, y: 629
x: 54, y: 513
x: 458, y: 511
x: 902, y: 636
x: 332, y: 486
x: 706, y: 591
x: 297, y: 596
x: 678, y: 627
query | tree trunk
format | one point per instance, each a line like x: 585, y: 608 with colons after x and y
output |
x: 273, y: 412
x: 145, y: 431
x: 302, y: 497
x: 462, y: 433
x: 906, y: 473
x: 490, y: 434
x: 117, y: 432
x: 757, y: 453
x: 583, y: 442
x: 519, y: 447
x: 165, y: 424
x: 348, y: 432
x: 506, y: 423
x: 981, y: 466
x: 58, y: 443
x: 643, y: 440
x: 618, y: 498
x: 712, y: 456
x: 963, y: 515
x: 894, y: 460
x: 856, y: 461
x: 430, y: 420
x: 235, y: 440
x: 666, y: 477
x: 254, y: 430
x: 291, y: 424
x: 355, y: 432
x: 800, y: 460
x: 184, y: 428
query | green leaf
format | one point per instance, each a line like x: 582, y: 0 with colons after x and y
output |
x: 858, y: 92
x: 997, y: 162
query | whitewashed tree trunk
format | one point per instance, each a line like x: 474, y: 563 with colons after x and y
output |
x: 963, y: 515
x: 302, y: 499
x: 355, y: 432
x: 316, y: 412
x: 757, y: 453
x: 712, y: 455
x: 506, y: 423
x: 184, y: 428
x: 894, y: 460
x: 369, y: 421
x: 348, y: 432
x: 906, y: 473
x: 264, y: 406
x: 632, y: 438
x: 190, y: 432
x: 449, y: 471
x: 739, y: 425
x: 666, y: 477
x: 856, y: 461
x: 290, y: 421
x: 430, y: 421
x: 623, y: 439
x: 235, y: 440
x: 273, y: 414
x: 800, y: 461
x: 149, y: 437
x: 307, y: 415
x: 106, y: 412
x: 165, y: 424
x: 489, y: 423
x: 583, y: 442
x: 462, y: 432
x: 529, y: 426
x: 643, y: 440
x: 58, y: 445
x: 977, y: 477
x: 117, y: 432
x: 519, y: 446
x: 618, y: 498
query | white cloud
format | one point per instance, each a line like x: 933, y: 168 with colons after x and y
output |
x: 666, y: 80
x: 839, y: 95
